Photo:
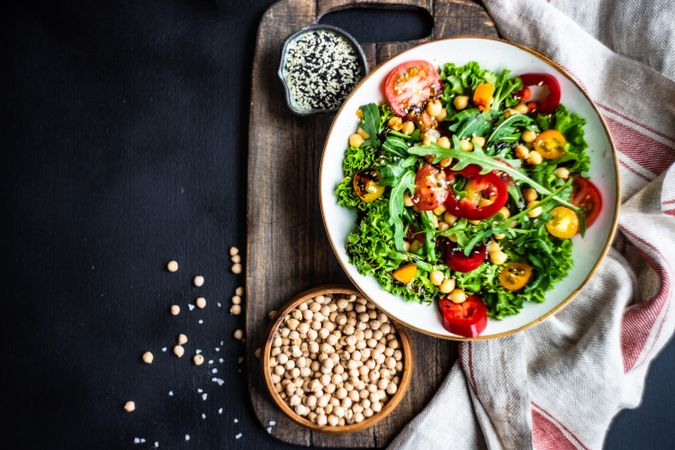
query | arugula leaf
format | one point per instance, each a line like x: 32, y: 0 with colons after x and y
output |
x: 396, y: 206
x: 429, y: 234
x: 370, y: 122
x: 506, y: 131
x: 471, y: 122
x: 395, y: 146
x: 504, y: 87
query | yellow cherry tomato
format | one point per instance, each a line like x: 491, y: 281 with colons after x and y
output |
x: 564, y: 224
x: 367, y: 185
x: 406, y: 273
x: 514, y: 276
x: 550, y: 144
x: 482, y: 96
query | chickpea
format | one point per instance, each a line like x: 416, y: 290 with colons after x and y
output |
x: 505, y: 213
x: 172, y: 266
x: 445, y: 162
x: 522, y: 152
x: 493, y: 247
x: 408, y: 127
x: 498, y: 257
x: 528, y: 136
x: 530, y: 195
x: 436, y: 277
x: 440, y: 210
x: 521, y: 108
x: 534, y: 158
x: 407, y: 201
x: 356, y: 140
x: 466, y: 145
x: 536, y: 212
x: 449, y: 218
x: 130, y: 406
x: 460, y: 102
x: 447, y: 285
x: 434, y: 108
x: 361, y: 132
x: 478, y: 141
x: 457, y: 296
x: 562, y: 172
x: 395, y: 123
x: 443, y: 141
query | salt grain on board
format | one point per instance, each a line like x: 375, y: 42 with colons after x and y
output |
x: 164, y: 349
x: 221, y: 360
x: 236, y: 420
x: 220, y: 381
x: 214, y: 370
x: 238, y: 436
x: 187, y: 437
x: 198, y: 351
x: 269, y: 430
x: 203, y: 416
x: 273, y: 422
x: 156, y: 444
x: 204, y: 396
x: 170, y: 393
x: 201, y: 321
x: 191, y: 306
x: 200, y: 390
x: 220, y: 410
x: 217, y: 349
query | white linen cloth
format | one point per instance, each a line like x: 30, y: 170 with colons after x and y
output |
x: 559, y: 384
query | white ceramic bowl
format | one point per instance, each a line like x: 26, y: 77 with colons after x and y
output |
x: 493, y: 54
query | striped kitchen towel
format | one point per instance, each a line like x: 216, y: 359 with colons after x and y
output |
x: 559, y: 384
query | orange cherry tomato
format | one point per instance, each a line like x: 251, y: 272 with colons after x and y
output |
x: 550, y: 144
x: 482, y: 96
x: 515, y: 276
x: 564, y: 224
x: 367, y: 185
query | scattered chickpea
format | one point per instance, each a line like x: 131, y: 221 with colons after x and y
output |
x: 234, y: 251
x: 443, y: 141
x: 235, y: 310
x: 130, y: 406
x: 198, y: 360
x: 530, y: 195
x: 174, y: 310
x: 466, y: 145
x: 428, y: 140
x: 536, y: 212
x: 478, y: 141
x: 528, y: 136
x: 534, y: 158
x: 147, y: 357
x: 272, y: 314
x: 408, y: 127
x: 442, y: 114
x: 236, y: 259
x: 236, y: 268
x: 460, y: 102
x: 406, y: 246
x: 198, y: 281
x: 457, y: 296
x: 172, y: 266
x: 562, y: 173
x: 474, y: 222
x: 200, y: 302
x: 363, y: 133
x: 236, y: 300
x: 522, y: 152
x: 436, y: 277
x: 447, y: 285
x: 505, y: 212
x: 499, y: 236
x: 238, y: 334
x: 178, y: 350
x: 395, y: 123
x: 355, y: 140
x: 239, y: 291
x: 442, y: 226
x: 498, y: 257
x: 182, y: 339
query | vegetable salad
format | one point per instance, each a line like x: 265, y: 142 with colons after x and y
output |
x: 468, y: 190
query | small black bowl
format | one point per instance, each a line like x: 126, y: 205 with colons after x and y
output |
x: 284, y: 54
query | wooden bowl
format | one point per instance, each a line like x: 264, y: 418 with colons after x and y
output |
x: 370, y: 421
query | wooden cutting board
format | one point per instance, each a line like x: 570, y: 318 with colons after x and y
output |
x: 287, y: 249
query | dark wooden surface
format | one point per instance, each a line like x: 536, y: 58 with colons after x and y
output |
x: 288, y: 251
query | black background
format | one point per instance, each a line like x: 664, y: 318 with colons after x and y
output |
x: 124, y: 146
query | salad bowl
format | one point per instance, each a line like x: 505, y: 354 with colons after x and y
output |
x: 495, y: 55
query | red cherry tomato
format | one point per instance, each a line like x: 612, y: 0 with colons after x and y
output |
x: 587, y: 196
x: 524, y: 94
x: 467, y: 319
x: 410, y: 84
x: 431, y: 188
x: 484, y: 196
x: 455, y: 258
x: 552, y: 100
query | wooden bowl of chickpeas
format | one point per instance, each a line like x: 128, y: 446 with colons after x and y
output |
x: 334, y: 363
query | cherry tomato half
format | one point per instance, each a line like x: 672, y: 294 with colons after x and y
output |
x: 431, y: 188
x: 587, y: 196
x: 550, y: 144
x: 467, y: 319
x: 367, y: 185
x: 564, y: 224
x: 552, y: 100
x: 410, y: 84
x: 485, y: 195
x: 515, y: 275
x: 455, y: 258
x: 482, y: 96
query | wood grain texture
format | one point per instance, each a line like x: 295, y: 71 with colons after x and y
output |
x: 287, y: 249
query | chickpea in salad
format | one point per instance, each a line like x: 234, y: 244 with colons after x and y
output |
x: 468, y: 190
